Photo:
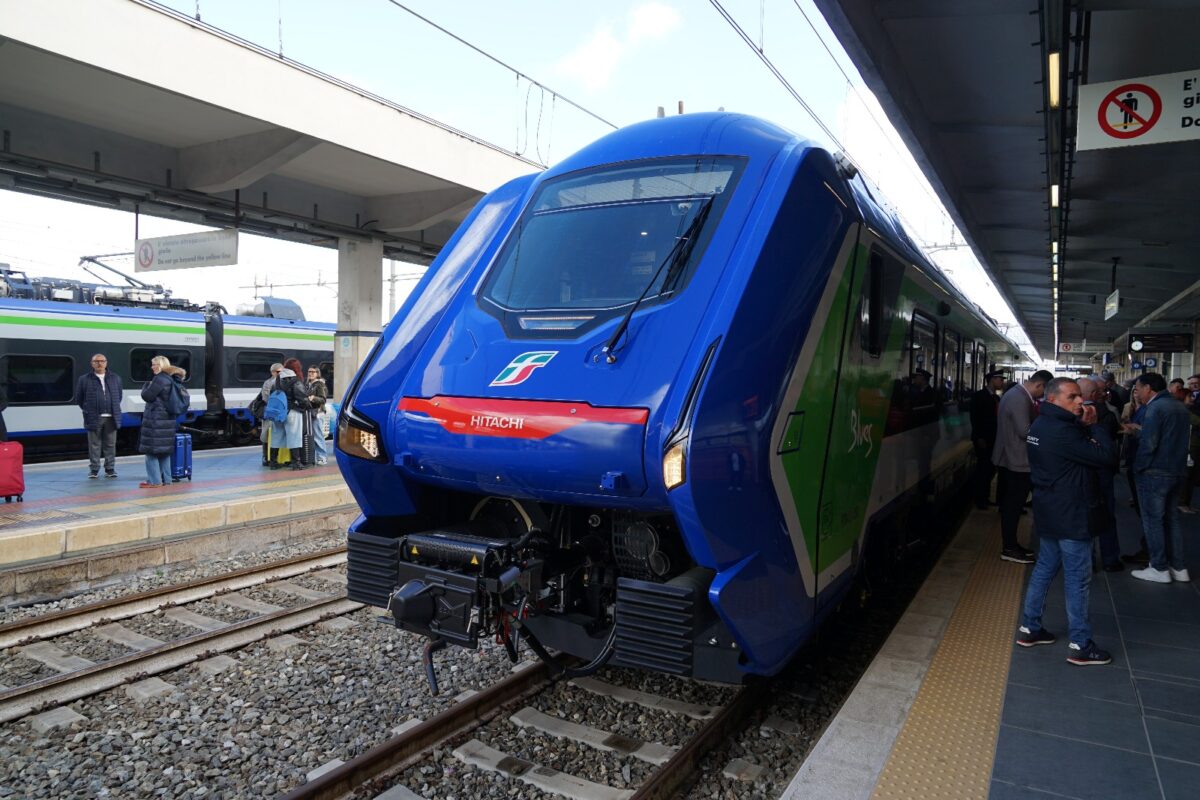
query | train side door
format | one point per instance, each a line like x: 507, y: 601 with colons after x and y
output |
x: 872, y: 343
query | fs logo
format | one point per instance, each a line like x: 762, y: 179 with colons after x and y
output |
x: 521, y: 367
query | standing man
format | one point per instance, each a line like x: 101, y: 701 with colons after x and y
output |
x: 983, y: 433
x: 1116, y: 391
x: 1159, y: 469
x: 1192, y: 402
x: 1014, y: 415
x: 1103, y: 522
x: 1064, y: 456
x: 98, y: 395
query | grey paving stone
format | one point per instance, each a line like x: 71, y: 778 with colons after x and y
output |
x: 303, y: 592
x: 193, y: 620
x: 54, y: 657
x: 406, y: 725
x: 148, y: 689
x: 321, y: 770
x: 739, y: 769
x: 281, y: 644
x: 466, y: 694
x: 399, y: 793
x: 235, y: 600
x: 60, y: 717
x: 115, y: 632
x: 215, y: 665
x: 337, y: 624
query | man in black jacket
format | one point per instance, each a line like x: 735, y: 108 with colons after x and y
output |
x: 1105, y: 516
x: 1066, y: 449
x: 983, y: 433
x: 98, y: 395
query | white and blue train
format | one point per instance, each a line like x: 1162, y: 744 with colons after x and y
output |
x: 46, y: 344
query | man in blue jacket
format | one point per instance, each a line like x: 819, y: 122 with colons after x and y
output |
x: 1159, y: 468
x: 1066, y: 450
x: 98, y: 395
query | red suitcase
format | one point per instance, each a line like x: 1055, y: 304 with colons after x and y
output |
x: 12, y: 471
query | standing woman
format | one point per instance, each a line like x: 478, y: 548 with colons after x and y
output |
x: 319, y: 394
x: 158, y: 425
x: 291, y: 432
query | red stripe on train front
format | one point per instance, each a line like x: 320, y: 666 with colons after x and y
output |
x: 515, y: 419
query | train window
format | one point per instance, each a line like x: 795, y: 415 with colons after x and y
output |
x: 951, y: 366
x: 984, y: 366
x: 327, y: 373
x: 139, y: 362
x: 255, y: 365
x: 922, y: 341
x: 915, y: 398
x: 597, y: 241
x: 872, y: 306
x: 36, y: 380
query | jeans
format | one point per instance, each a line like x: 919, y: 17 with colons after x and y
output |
x: 1016, y: 489
x: 320, y: 446
x: 158, y: 468
x: 1105, y: 521
x: 1074, y: 556
x: 1160, y: 519
x: 102, y: 443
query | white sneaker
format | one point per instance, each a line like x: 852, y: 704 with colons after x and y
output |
x: 1153, y: 575
x: 1180, y: 575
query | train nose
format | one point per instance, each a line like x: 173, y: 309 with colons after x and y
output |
x: 490, y: 444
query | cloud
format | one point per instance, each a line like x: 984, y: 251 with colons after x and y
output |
x: 594, y: 61
x: 652, y: 21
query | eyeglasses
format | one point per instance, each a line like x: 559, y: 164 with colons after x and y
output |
x: 99, y: 361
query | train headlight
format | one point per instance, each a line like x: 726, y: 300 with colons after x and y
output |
x: 359, y: 438
x: 675, y: 465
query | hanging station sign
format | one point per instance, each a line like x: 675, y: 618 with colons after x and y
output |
x: 1112, y: 304
x: 1150, y: 110
x: 204, y: 249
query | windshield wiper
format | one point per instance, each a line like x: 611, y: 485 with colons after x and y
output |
x: 678, y: 256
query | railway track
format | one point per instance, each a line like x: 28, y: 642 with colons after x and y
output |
x: 674, y: 767
x: 79, y: 677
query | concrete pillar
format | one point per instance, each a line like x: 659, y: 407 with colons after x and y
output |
x: 360, y: 297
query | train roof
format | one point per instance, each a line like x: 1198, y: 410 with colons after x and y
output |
x: 87, y: 309
x: 272, y: 322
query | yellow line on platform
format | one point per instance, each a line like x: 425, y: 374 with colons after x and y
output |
x: 948, y: 742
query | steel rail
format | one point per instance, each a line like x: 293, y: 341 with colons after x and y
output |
x: 22, y: 700
x: 402, y: 751
x: 666, y: 781
x: 74, y: 619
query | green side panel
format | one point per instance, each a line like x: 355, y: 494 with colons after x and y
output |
x: 278, y: 334
x: 46, y: 322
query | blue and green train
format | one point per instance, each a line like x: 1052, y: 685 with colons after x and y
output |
x: 659, y: 404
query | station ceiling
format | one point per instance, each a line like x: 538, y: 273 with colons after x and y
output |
x: 965, y: 84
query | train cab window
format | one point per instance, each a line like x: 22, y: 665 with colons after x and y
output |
x: 38, y: 380
x: 593, y: 243
x: 139, y: 362
x: 951, y: 385
x: 255, y: 365
x: 872, y: 306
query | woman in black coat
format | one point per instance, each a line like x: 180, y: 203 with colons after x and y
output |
x: 158, y: 425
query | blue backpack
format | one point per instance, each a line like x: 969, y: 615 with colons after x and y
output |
x: 177, y: 400
x: 277, y: 407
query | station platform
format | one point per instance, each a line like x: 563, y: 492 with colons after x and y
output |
x: 952, y: 708
x: 68, y: 517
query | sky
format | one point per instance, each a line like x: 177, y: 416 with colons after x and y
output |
x: 620, y: 60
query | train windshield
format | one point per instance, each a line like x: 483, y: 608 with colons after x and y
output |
x: 594, y: 241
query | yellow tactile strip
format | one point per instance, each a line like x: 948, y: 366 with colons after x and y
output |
x: 948, y: 742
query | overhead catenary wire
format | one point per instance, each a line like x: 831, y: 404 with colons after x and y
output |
x: 502, y: 63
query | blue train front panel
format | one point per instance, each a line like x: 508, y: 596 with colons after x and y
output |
x: 566, y: 430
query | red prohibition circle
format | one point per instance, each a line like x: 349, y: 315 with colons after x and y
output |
x: 1147, y: 124
x: 146, y: 254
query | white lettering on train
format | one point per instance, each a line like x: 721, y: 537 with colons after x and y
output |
x: 506, y: 423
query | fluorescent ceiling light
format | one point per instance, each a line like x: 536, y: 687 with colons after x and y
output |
x: 1054, y: 248
x: 1053, y: 78
x: 1054, y: 195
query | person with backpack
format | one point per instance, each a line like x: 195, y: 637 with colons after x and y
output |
x: 165, y: 400
x: 287, y: 407
x: 258, y: 407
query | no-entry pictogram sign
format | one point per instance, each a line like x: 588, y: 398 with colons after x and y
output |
x: 1129, y: 111
x: 1138, y: 111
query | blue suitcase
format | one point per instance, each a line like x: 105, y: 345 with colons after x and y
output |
x: 181, y: 458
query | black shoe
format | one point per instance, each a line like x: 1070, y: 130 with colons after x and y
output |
x: 1141, y: 558
x: 110, y: 474
x: 1116, y: 566
x: 1088, y: 656
x: 93, y: 475
x: 1018, y: 555
x: 1027, y: 638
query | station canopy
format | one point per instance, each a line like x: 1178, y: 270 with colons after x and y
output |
x: 986, y: 94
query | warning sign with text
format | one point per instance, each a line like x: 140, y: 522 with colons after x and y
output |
x: 1152, y: 110
x: 205, y: 249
